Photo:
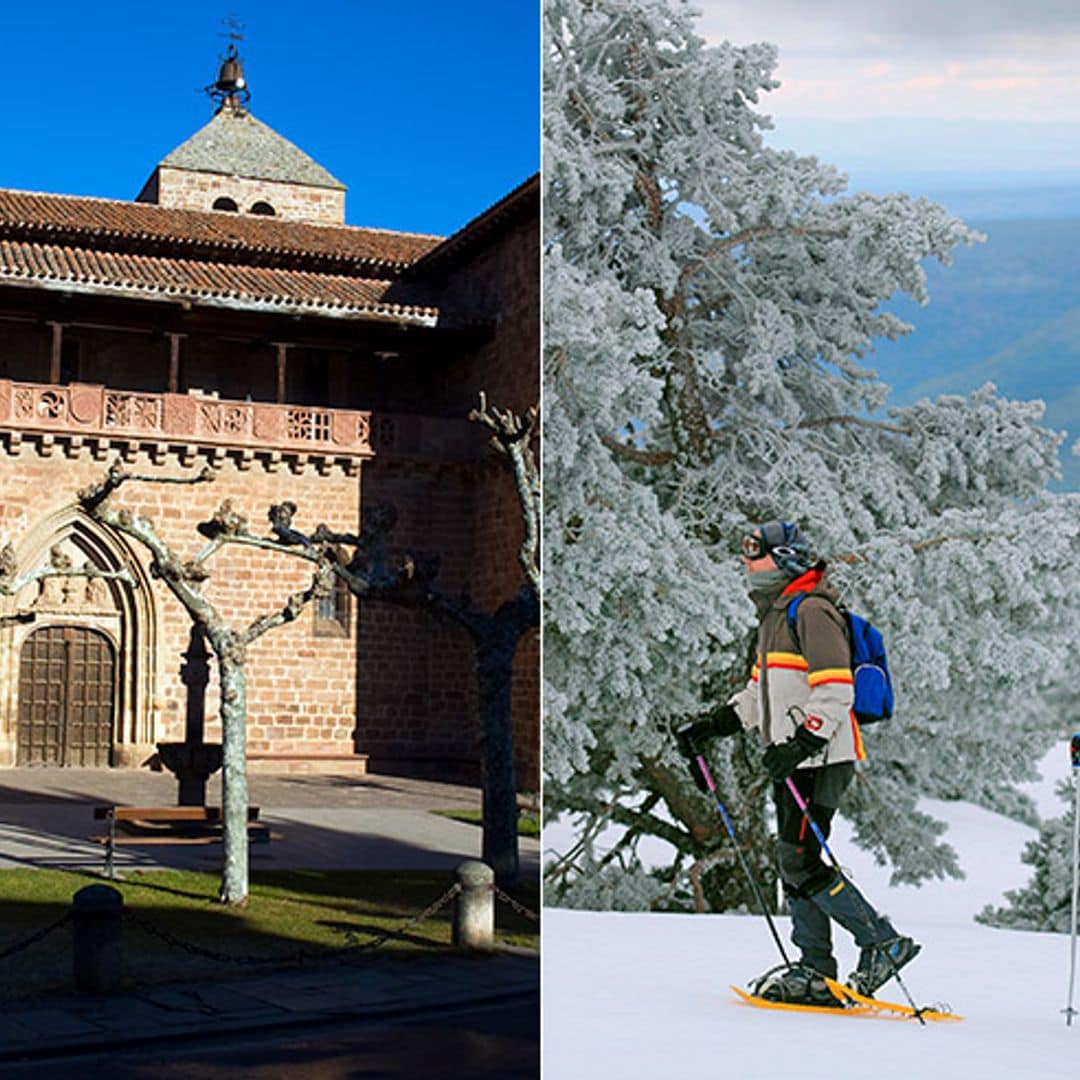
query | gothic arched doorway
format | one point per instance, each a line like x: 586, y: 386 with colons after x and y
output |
x: 67, y: 691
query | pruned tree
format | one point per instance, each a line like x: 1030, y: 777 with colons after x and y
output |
x: 185, y: 580
x: 409, y: 580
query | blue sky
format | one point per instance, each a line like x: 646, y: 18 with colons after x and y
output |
x: 428, y: 111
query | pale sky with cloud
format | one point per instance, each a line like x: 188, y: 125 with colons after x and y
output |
x: 965, y: 85
x: 1005, y: 59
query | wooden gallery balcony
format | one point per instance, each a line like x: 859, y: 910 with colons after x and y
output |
x: 84, y: 418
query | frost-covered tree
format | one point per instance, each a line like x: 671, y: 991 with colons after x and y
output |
x: 709, y: 302
x: 1045, y: 902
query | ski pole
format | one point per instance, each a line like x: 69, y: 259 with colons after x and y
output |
x: 1074, y: 751
x: 742, y: 858
x: 815, y: 828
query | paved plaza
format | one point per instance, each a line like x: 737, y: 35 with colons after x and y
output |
x: 316, y: 822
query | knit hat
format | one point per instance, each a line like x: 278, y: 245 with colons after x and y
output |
x: 785, y: 542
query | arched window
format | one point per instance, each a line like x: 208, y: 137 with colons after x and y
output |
x: 225, y: 203
x: 263, y: 208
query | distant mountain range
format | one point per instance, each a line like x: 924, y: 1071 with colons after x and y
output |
x: 1007, y: 311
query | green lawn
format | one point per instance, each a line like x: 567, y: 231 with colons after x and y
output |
x: 528, y: 822
x: 287, y: 911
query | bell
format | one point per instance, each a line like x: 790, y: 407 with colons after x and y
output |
x: 231, y: 76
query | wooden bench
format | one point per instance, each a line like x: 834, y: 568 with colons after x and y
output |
x: 181, y: 825
x: 207, y: 814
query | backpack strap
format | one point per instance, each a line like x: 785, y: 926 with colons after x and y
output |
x: 793, y: 616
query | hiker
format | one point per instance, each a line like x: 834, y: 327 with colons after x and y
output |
x: 799, y: 699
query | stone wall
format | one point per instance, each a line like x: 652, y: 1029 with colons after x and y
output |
x: 503, y: 276
x: 187, y: 190
x: 301, y: 685
x: 415, y: 678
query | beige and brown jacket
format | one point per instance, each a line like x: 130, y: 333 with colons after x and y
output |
x: 805, y: 678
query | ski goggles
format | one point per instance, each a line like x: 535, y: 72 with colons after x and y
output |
x: 755, y: 547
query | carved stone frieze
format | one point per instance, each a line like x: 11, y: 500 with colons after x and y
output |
x: 133, y: 412
x: 104, y: 421
x: 74, y: 596
x: 85, y: 403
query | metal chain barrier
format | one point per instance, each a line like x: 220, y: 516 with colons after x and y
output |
x: 521, y: 909
x: 189, y: 946
x: 300, y: 955
x: 354, y: 948
x: 384, y: 937
x: 34, y: 938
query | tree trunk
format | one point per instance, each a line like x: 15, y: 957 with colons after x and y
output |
x: 234, y: 880
x: 493, y: 672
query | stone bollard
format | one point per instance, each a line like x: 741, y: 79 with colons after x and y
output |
x: 97, y: 936
x: 474, y: 908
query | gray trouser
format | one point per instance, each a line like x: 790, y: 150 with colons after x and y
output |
x: 816, y: 893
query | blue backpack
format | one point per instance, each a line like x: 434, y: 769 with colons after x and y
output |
x: 869, y: 665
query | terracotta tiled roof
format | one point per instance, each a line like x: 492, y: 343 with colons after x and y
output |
x: 230, y: 284
x: 225, y: 237
x: 517, y: 204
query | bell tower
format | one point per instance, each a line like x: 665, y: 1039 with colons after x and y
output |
x: 238, y: 165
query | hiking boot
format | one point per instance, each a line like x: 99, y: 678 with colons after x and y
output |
x: 878, y: 964
x: 795, y: 985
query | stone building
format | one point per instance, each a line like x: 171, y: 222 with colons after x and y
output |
x: 229, y: 316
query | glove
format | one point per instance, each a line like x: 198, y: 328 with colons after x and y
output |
x: 722, y: 722
x: 781, y: 759
x: 719, y: 723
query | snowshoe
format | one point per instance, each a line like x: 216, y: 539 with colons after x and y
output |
x: 796, y: 984
x: 878, y: 964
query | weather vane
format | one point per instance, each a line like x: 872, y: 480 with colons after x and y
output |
x: 234, y: 27
x: 231, y: 86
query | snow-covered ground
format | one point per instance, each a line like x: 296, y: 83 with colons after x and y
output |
x: 646, y: 995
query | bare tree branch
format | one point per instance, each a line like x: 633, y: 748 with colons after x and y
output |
x: 96, y: 494
x: 320, y: 586
x: 513, y: 436
x: 650, y: 823
x: 409, y: 580
x: 634, y: 832
x: 747, y: 236
x: 854, y: 421
x: 58, y: 566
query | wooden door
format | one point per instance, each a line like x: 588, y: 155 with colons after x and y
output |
x: 66, y: 688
